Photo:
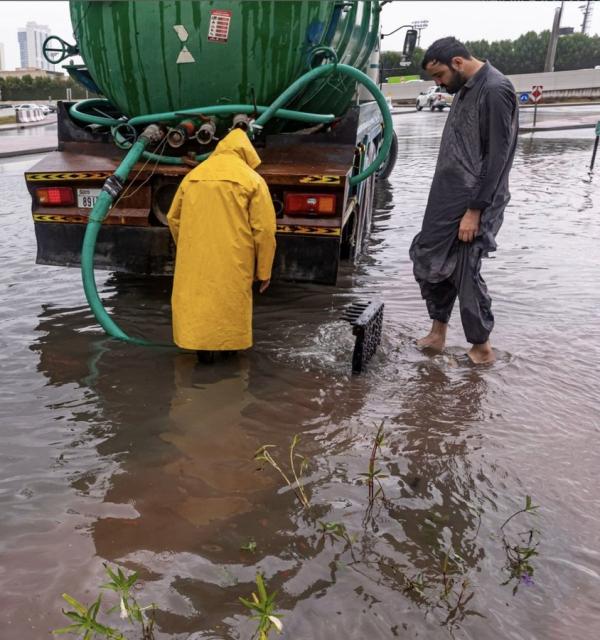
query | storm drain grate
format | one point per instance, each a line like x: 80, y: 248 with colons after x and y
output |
x: 366, y: 319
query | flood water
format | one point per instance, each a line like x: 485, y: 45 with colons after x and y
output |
x: 136, y: 457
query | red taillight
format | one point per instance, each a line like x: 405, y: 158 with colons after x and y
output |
x: 316, y: 204
x: 55, y: 195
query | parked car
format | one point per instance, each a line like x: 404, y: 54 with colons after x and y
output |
x: 434, y: 98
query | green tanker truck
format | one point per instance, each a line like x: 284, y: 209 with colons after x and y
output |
x: 172, y: 77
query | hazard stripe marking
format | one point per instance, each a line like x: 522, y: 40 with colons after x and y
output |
x: 319, y: 231
x: 55, y: 217
x: 320, y: 180
x: 80, y: 175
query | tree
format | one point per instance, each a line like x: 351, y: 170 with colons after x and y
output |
x: 39, y: 88
x: 390, y: 64
x: 525, y: 54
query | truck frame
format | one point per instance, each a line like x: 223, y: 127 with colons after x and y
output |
x: 321, y: 217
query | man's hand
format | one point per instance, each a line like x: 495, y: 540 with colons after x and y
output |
x: 469, y: 225
x: 264, y: 285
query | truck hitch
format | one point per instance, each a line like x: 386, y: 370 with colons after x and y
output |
x: 366, y: 319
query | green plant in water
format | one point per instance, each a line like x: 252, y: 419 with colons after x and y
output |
x: 416, y: 584
x: 85, y: 622
x: 264, y: 455
x: 263, y: 606
x: 335, y: 531
x: 455, y: 586
x: 519, y: 553
x: 374, y: 475
x: 250, y: 546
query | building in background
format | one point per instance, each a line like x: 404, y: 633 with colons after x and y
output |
x: 31, y: 38
x: 2, y: 58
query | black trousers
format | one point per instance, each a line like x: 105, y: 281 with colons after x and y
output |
x: 467, y: 284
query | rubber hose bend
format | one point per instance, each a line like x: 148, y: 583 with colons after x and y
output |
x: 359, y: 76
x: 109, y: 192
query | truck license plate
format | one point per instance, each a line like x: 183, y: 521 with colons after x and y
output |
x: 86, y: 198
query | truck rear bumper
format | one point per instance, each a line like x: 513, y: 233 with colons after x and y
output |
x: 150, y: 251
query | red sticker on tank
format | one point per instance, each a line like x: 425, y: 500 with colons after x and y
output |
x: 218, y: 29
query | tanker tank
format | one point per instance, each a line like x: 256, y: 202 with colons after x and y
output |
x: 153, y: 57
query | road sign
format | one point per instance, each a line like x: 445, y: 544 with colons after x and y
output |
x: 524, y: 97
x: 598, y: 128
x: 536, y: 93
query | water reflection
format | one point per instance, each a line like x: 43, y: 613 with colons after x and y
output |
x: 135, y: 456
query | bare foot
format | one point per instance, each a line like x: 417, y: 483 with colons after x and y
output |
x: 482, y: 353
x: 436, y: 338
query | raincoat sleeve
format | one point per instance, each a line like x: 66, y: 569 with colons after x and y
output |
x: 262, y: 223
x: 497, y: 138
x: 174, y: 215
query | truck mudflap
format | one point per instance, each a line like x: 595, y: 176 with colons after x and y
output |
x: 137, y: 250
x: 308, y: 257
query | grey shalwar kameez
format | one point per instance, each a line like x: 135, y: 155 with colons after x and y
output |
x: 475, y: 157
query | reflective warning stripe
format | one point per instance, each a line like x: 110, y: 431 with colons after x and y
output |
x: 80, y: 175
x: 319, y: 231
x: 320, y: 180
x: 56, y: 217
x: 112, y: 220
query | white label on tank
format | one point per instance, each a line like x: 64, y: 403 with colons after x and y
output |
x: 185, y: 56
x: 181, y: 31
x: 218, y: 28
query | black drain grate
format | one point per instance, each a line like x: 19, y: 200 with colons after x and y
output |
x: 366, y: 319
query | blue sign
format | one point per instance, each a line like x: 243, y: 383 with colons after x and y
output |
x: 524, y: 97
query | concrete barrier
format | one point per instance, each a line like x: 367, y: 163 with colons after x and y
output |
x: 581, y: 83
x: 30, y: 115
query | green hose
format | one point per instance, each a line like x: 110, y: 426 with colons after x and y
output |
x: 152, y: 133
x: 97, y: 216
x: 359, y: 76
x: 168, y: 116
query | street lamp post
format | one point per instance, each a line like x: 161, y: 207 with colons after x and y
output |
x: 419, y: 25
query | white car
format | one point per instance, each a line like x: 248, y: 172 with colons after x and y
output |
x: 435, y: 98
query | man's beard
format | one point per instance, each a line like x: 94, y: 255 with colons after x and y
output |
x: 456, y: 83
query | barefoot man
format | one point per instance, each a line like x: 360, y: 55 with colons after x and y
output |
x: 468, y: 195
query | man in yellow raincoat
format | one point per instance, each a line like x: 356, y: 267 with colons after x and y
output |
x: 223, y: 223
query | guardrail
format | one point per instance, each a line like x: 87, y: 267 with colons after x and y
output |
x: 581, y: 83
x: 30, y: 115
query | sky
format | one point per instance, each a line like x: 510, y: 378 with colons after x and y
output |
x: 473, y: 20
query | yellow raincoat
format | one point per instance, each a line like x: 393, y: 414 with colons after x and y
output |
x: 223, y: 222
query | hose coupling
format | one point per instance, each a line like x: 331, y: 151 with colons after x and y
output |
x: 206, y: 132
x: 152, y: 133
x: 178, y: 135
x: 242, y: 121
x: 113, y: 185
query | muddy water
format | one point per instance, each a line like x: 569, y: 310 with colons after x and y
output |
x: 137, y: 457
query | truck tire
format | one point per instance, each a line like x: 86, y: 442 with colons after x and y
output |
x: 358, y: 228
x: 418, y: 107
x: 432, y: 107
x: 388, y: 165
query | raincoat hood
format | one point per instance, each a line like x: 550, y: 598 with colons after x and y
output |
x: 237, y: 142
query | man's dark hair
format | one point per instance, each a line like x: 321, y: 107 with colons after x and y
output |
x: 443, y: 50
